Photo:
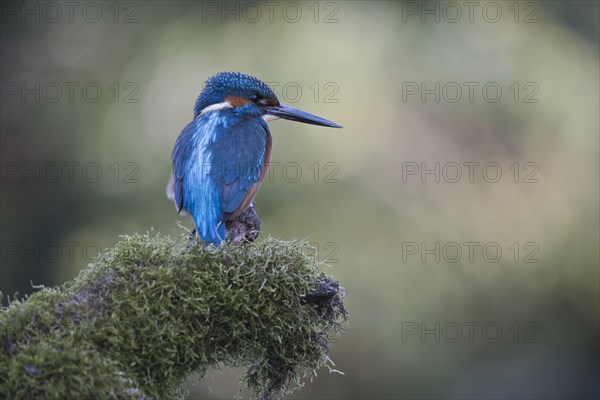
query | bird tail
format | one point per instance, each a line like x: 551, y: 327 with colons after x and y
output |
x: 211, y: 234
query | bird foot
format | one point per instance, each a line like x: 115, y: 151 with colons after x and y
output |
x: 244, y: 228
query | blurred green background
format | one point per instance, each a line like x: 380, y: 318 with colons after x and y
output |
x: 94, y: 96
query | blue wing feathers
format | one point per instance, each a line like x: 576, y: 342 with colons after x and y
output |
x: 238, y: 161
x: 215, y: 163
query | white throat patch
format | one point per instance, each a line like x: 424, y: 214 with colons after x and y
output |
x: 269, y: 117
x: 216, y: 107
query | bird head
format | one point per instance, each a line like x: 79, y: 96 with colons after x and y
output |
x: 227, y: 90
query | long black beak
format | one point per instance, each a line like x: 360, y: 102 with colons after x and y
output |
x: 293, y: 114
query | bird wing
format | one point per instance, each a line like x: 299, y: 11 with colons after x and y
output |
x: 180, y: 159
x: 238, y: 164
x: 194, y: 192
x: 217, y: 169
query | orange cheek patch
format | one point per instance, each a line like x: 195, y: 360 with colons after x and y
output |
x: 237, y: 101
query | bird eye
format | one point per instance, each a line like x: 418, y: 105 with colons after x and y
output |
x: 254, y: 98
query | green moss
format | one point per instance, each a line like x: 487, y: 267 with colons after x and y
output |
x: 151, y: 311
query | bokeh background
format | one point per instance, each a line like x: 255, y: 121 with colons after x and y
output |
x: 81, y: 167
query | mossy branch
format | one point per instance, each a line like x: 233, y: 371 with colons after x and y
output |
x: 151, y: 311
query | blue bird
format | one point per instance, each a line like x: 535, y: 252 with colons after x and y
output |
x: 222, y: 156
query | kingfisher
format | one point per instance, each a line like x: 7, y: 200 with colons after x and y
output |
x: 222, y: 156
